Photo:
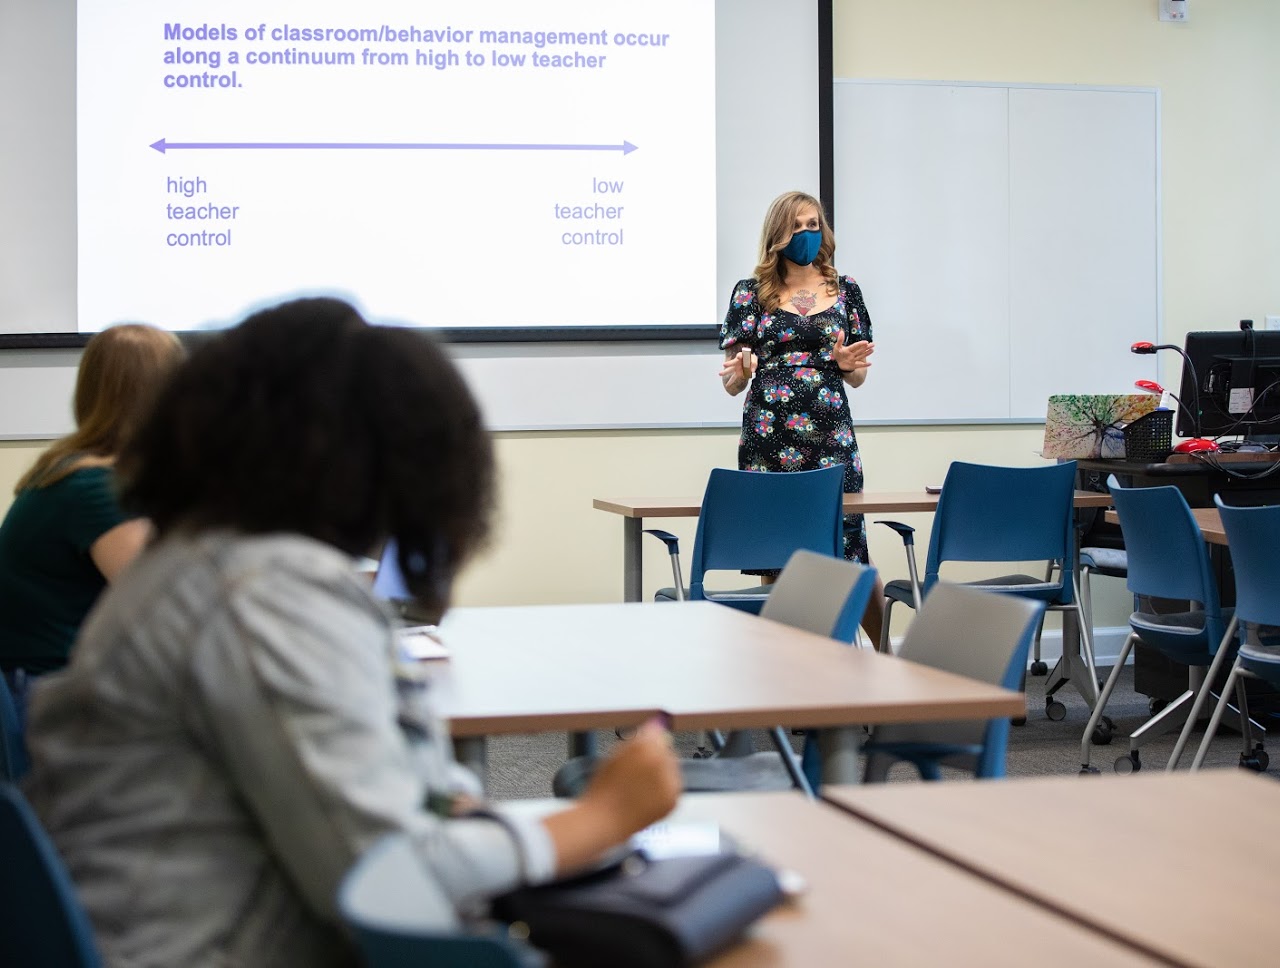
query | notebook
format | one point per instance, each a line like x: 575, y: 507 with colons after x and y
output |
x: 1091, y: 425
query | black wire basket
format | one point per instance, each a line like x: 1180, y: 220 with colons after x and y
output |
x: 1149, y: 438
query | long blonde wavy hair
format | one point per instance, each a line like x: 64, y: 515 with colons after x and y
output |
x: 121, y: 373
x: 779, y: 225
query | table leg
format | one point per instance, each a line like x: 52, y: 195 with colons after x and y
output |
x: 1072, y: 669
x: 472, y: 752
x: 840, y: 747
x: 632, y: 559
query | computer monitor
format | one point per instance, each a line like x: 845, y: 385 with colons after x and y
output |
x: 1231, y: 385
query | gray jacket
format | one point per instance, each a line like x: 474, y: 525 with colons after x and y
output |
x: 227, y: 739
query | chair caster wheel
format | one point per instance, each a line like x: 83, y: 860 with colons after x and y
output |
x: 1258, y: 761
x: 1090, y: 771
x: 1018, y: 721
x: 1129, y: 763
x: 1055, y: 710
x: 1155, y: 705
x: 1101, y: 735
x: 1039, y: 668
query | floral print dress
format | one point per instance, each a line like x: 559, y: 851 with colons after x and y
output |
x: 796, y: 414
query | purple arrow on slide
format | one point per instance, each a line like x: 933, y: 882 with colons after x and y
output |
x: 162, y: 146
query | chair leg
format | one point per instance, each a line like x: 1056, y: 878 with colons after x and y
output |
x: 1086, y: 643
x: 1168, y: 718
x: 884, y: 629
x: 1246, y: 731
x: 783, y: 745
x: 1201, y: 695
x: 1086, y: 599
x: 1216, y: 718
x: 1096, y: 716
x: 1035, y: 643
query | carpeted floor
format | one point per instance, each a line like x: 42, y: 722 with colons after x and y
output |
x: 522, y: 766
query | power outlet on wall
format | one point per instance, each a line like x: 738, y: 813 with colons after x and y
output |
x: 1173, y: 10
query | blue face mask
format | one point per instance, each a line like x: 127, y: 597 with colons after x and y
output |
x: 803, y: 247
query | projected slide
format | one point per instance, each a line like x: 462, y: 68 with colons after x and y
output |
x: 490, y: 164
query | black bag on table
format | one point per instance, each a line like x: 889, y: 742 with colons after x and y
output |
x: 638, y: 913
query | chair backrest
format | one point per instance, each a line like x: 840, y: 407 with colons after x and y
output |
x: 1253, y: 535
x: 1167, y: 554
x: 822, y: 594
x: 989, y: 513
x: 754, y: 520
x: 979, y: 634
x: 13, y: 751
x: 41, y: 920
x: 401, y: 918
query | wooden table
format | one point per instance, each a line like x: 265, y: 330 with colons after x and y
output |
x: 1181, y: 865
x: 1209, y: 519
x: 875, y: 900
x: 549, y: 668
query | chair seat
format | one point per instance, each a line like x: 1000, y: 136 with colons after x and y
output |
x: 1024, y: 586
x: 744, y: 599
x: 1178, y: 635
x: 900, y: 591
x: 1109, y: 562
x: 1262, y: 660
x: 758, y: 771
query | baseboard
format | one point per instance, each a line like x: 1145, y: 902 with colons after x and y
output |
x: 1107, y: 643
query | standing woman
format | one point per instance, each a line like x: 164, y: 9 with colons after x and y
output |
x: 65, y: 536
x: 803, y: 333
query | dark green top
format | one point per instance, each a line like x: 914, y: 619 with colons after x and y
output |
x: 48, y: 581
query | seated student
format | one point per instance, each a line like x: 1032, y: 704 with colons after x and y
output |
x: 230, y: 734
x: 65, y: 536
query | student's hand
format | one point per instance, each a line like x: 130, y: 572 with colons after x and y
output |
x: 853, y: 357
x: 633, y: 788
x: 639, y: 784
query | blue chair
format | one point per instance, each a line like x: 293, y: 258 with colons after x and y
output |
x: 1167, y: 558
x: 1253, y: 535
x: 13, y: 749
x: 972, y: 633
x: 752, y: 520
x: 400, y: 919
x: 42, y: 921
x: 1003, y: 514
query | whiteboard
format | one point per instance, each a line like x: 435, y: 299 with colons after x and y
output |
x: 1006, y: 239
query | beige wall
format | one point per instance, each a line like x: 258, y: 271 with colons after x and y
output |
x: 1219, y: 79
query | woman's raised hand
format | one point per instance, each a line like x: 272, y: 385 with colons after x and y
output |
x: 852, y: 357
x: 738, y: 371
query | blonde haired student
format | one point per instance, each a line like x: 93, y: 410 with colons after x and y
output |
x: 65, y: 536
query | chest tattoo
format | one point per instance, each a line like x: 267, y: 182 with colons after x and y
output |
x: 803, y: 301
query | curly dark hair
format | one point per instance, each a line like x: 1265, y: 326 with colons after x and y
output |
x: 305, y: 418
